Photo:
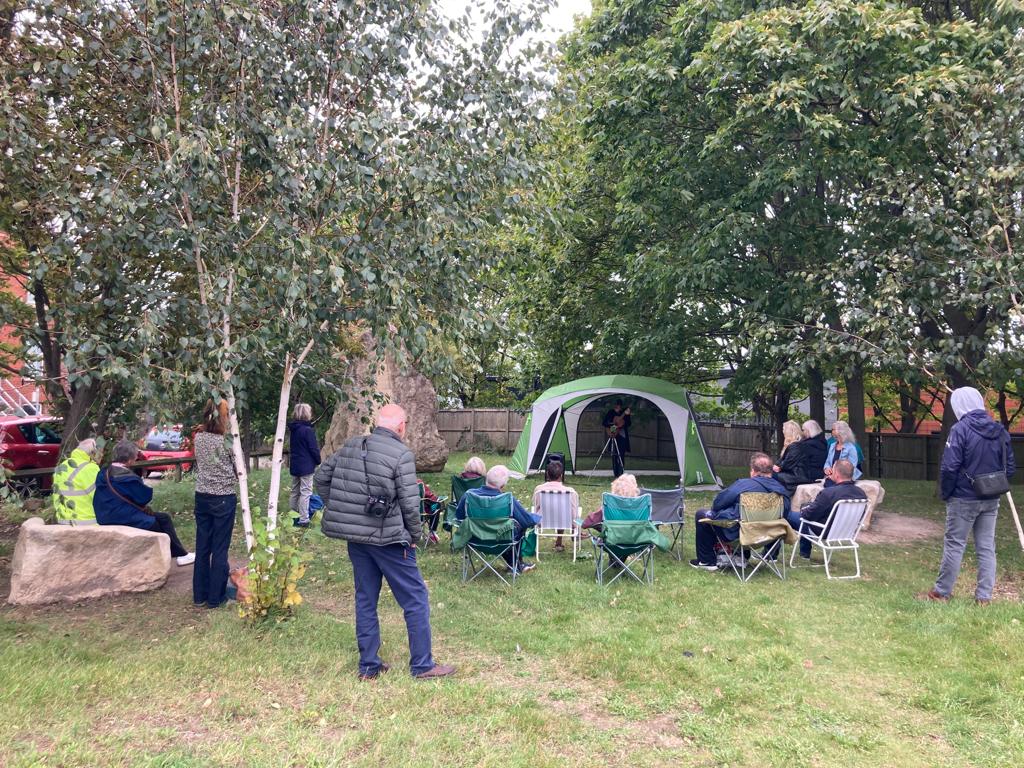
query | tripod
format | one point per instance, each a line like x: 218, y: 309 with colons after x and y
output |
x: 611, y: 446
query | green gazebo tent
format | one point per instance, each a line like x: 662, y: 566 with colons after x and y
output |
x: 554, y: 420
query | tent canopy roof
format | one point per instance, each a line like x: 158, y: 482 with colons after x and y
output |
x: 617, y: 383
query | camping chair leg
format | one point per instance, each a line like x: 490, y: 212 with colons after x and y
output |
x: 856, y: 560
x: 827, y: 554
x: 728, y: 550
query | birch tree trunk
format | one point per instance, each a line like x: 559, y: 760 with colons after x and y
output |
x: 277, y: 457
x: 241, y: 470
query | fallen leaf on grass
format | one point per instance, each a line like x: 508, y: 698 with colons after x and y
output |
x: 275, y: 705
x: 207, y: 703
x: 808, y: 664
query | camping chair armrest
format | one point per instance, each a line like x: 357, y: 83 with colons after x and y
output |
x: 720, y: 523
x: 811, y: 522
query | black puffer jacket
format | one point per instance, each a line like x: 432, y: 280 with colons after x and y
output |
x: 344, y: 487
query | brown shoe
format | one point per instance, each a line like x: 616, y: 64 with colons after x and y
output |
x: 932, y: 596
x: 982, y: 602
x: 439, y: 670
x: 374, y: 675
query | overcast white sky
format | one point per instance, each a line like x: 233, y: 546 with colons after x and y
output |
x: 560, y: 19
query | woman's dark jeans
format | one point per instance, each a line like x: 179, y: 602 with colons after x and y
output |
x: 215, y: 519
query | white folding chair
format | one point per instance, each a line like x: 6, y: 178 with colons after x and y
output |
x: 557, y: 513
x: 667, y: 509
x: 839, y: 532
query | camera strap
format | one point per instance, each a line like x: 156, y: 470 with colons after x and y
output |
x: 366, y: 479
x: 366, y: 473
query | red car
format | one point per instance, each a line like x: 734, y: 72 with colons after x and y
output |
x: 165, y: 443
x: 31, y: 442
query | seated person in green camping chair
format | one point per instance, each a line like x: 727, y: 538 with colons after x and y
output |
x: 496, y: 480
x: 726, y: 506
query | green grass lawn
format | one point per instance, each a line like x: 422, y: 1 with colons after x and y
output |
x: 697, y: 670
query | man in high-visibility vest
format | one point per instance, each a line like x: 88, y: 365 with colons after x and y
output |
x: 74, y: 483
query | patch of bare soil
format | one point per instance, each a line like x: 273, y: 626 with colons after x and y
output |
x: 891, y: 528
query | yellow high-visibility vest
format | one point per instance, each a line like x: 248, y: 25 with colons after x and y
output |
x: 74, y: 483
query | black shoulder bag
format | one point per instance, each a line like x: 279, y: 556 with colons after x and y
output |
x: 992, y: 485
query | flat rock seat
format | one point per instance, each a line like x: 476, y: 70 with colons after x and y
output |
x: 873, y: 489
x: 60, y: 563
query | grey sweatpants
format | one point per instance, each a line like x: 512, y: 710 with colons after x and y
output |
x: 302, y: 489
x: 964, y: 516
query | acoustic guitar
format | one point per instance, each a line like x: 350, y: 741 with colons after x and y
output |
x: 618, y: 422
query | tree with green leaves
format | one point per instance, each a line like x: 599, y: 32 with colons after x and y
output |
x: 307, y: 168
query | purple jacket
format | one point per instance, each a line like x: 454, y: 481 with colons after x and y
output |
x: 304, y: 453
x: 974, y: 447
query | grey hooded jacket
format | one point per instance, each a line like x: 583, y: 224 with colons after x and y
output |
x: 344, y: 487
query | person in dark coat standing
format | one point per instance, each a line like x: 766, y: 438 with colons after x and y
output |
x: 818, y: 510
x: 371, y: 500
x: 726, y: 506
x: 122, y: 498
x: 976, y: 445
x: 303, y: 459
x: 616, y: 425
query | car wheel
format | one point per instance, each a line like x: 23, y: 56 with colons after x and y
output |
x: 25, y: 487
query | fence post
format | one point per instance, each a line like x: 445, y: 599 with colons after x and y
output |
x: 508, y: 428
x: 472, y: 429
x: 924, y: 465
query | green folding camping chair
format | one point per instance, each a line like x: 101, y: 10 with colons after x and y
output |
x: 485, y: 536
x: 627, y: 539
x: 459, y: 487
x: 769, y: 550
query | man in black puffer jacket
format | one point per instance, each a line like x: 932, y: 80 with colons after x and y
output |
x: 381, y: 542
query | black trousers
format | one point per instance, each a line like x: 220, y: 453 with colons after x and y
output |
x: 163, y: 524
x: 215, y: 520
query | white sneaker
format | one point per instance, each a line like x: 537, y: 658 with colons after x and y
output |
x: 186, y: 559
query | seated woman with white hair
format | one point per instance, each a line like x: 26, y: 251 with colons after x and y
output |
x: 814, y: 448
x: 623, y: 485
x: 844, y: 447
x: 474, y: 468
x: 494, y: 485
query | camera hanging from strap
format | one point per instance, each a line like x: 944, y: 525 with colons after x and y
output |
x: 376, y: 505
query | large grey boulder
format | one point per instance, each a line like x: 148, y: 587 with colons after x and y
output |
x: 374, y: 383
x: 60, y: 563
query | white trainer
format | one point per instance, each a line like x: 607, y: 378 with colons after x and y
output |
x: 186, y: 559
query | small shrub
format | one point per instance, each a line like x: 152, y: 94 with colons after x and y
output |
x: 276, y: 565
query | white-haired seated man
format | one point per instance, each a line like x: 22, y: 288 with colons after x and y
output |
x: 494, y: 485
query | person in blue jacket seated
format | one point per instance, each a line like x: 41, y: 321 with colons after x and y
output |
x: 842, y: 489
x: 123, y: 499
x: 842, y: 446
x: 494, y: 485
x: 726, y: 506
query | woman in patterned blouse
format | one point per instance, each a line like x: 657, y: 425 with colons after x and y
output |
x: 216, y: 486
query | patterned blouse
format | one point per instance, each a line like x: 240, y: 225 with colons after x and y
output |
x: 215, y: 469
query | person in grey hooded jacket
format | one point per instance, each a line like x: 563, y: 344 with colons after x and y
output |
x: 977, y: 444
x: 381, y: 542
